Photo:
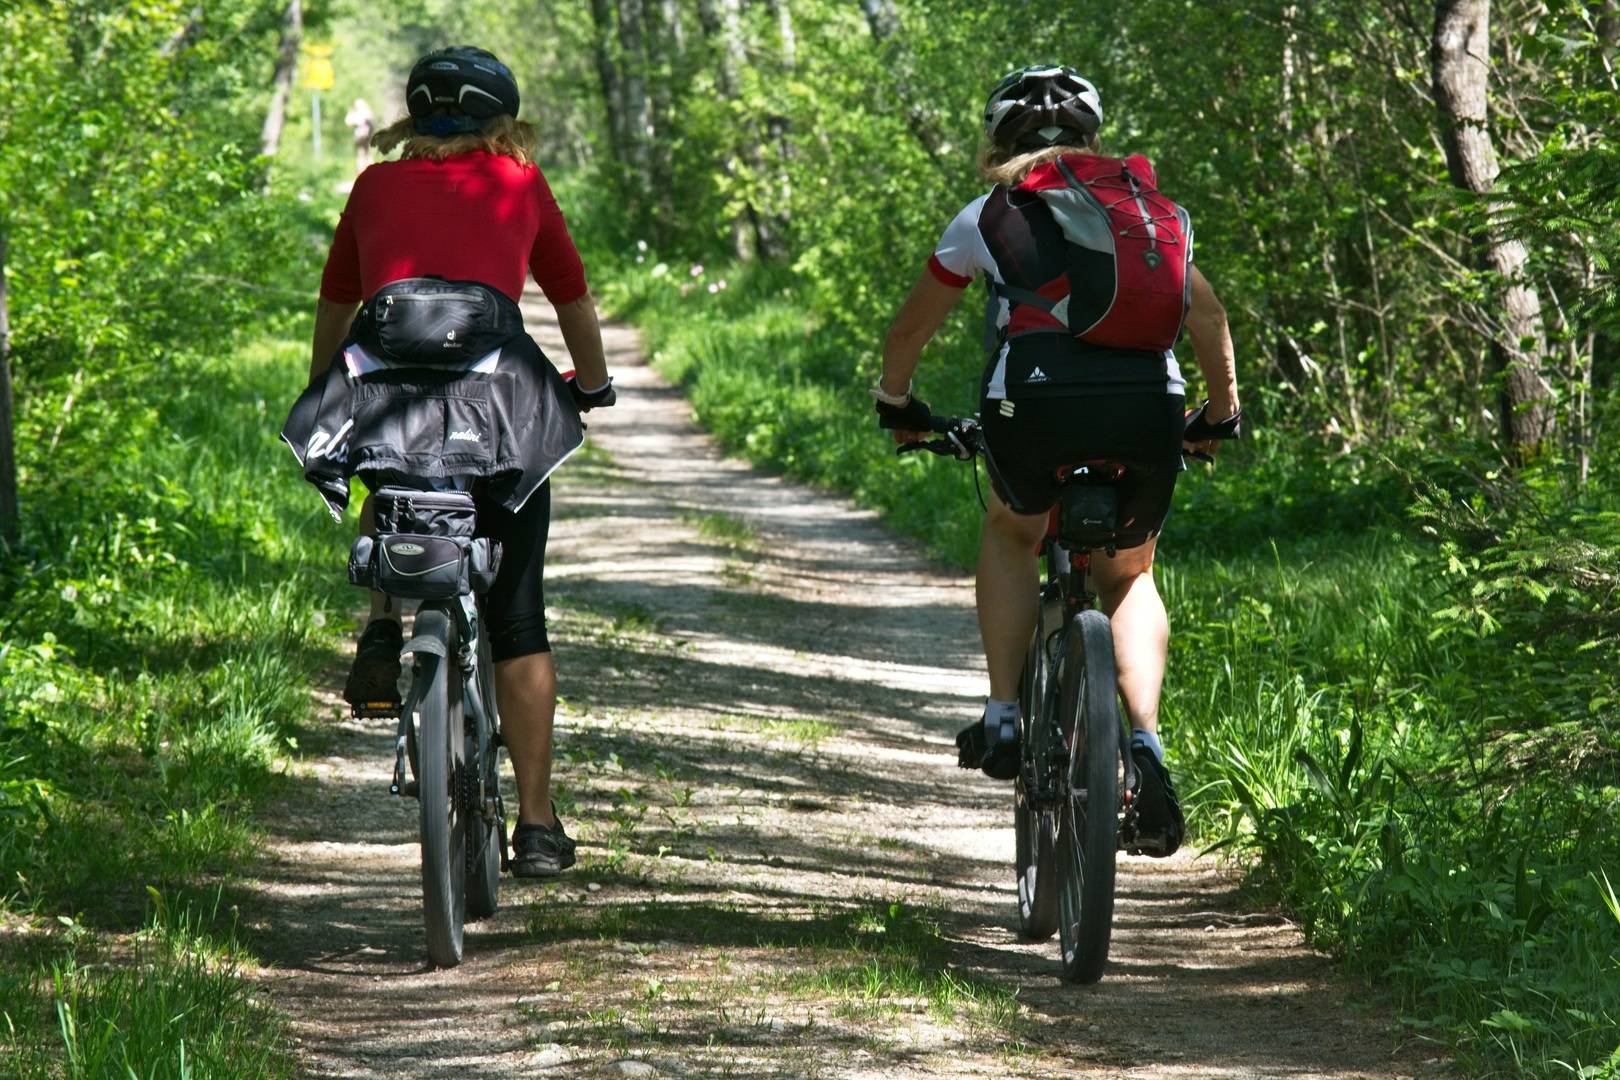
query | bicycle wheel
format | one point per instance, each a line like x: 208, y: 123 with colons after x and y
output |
x: 1088, y: 819
x: 483, y: 836
x: 1035, y: 826
x: 441, y: 749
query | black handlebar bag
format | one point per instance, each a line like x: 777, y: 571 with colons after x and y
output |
x: 429, y: 321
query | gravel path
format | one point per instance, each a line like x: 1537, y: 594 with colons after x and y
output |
x: 782, y: 872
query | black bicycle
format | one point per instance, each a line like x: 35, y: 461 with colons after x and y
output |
x: 1074, y: 799
x: 448, y: 739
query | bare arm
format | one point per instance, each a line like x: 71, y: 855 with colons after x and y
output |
x: 919, y: 318
x: 1212, y: 346
x: 331, y: 327
x: 582, y: 334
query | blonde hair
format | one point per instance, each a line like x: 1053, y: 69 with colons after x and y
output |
x: 500, y: 135
x: 999, y: 165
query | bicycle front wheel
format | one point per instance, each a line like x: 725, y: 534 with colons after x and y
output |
x: 1088, y: 818
x: 441, y: 746
x: 484, y: 837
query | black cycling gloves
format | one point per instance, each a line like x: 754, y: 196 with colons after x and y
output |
x: 1200, y: 430
x: 586, y: 400
x: 912, y: 416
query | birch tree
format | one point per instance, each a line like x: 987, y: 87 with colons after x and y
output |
x: 1460, y: 68
x: 292, y: 33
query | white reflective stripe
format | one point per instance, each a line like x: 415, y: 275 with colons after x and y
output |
x: 547, y: 476
x: 360, y: 362
x: 997, y: 390
x: 1147, y: 219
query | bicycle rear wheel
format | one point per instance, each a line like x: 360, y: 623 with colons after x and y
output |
x: 1035, y: 826
x: 483, y: 836
x: 442, y: 753
x: 1088, y: 820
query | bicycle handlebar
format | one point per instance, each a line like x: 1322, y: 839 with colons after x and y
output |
x: 963, y: 437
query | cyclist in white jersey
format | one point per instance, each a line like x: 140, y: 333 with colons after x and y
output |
x: 1050, y: 399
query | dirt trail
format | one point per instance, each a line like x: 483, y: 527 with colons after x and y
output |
x: 782, y: 872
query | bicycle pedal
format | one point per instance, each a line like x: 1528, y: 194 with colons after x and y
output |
x: 375, y: 710
x: 406, y: 790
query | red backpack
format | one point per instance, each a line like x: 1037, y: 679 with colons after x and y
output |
x: 1126, y: 281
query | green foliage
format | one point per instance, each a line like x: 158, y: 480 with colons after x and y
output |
x: 180, y: 1011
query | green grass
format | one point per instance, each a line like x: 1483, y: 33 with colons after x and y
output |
x: 169, y: 1003
x: 1409, y: 737
x: 171, y: 603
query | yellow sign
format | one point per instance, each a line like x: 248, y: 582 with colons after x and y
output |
x: 318, y: 73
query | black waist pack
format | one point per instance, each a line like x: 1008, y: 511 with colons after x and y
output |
x: 424, y: 548
x: 430, y: 321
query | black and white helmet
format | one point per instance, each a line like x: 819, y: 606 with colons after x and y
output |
x: 458, y: 89
x: 1042, y: 106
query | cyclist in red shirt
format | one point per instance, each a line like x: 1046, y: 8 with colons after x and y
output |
x: 467, y: 202
x: 1050, y: 398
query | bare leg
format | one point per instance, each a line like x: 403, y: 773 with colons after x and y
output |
x: 1005, y: 586
x: 526, y: 690
x: 1141, y: 629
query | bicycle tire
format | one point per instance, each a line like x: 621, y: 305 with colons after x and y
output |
x: 441, y: 747
x: 1035, y: 828
x: 484, y: 840
x: 1088, y: 827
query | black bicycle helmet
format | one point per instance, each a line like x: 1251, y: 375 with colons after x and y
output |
x: 459, y: 89
x: 1042, y: 106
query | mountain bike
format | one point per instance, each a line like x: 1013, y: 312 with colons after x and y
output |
x: 447, y: 746
x: 1074, y: 798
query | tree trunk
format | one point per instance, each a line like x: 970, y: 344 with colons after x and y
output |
x: 1459, y: 60
x: 666, y: 50
x: 722, y: 27
x: 183, y: 37
x: 607, y: 71
x: 881, y: 17
x: 673, y: 35
x: 637, y: 109
x: 292, y: 32
x: 784, y: 32
x: 8, y: 460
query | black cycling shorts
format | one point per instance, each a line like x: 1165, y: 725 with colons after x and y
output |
x: 515, y: 608
x: 1141, y: 430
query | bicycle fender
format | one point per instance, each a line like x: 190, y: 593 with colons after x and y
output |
x: 430, y: 634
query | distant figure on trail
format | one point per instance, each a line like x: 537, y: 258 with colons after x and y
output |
x: 363, y: 122
x: 1071, y: 376
x: 466, y: 203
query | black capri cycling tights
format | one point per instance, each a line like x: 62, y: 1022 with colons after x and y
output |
x: 1143, y: 431
x: 515, y: 609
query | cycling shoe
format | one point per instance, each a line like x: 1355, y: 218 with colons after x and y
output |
x: 999, y: 761
x: 539, y: 851
x: 1160, y: 826
x: 374, y: 677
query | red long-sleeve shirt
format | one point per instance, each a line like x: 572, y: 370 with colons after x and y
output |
x: 472, y: 217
